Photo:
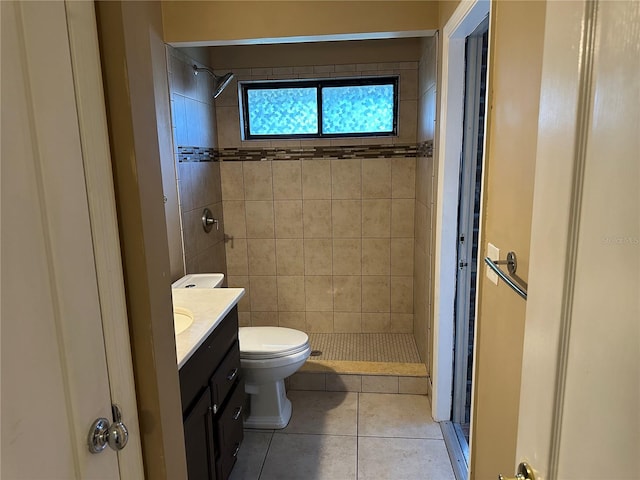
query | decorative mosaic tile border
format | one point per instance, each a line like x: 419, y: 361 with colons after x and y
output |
x: 202, y: 154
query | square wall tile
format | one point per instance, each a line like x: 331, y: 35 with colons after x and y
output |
x: 343, y: 383
x: 234, y: 218
x: 318, y: 256
x: 403, y: 177
x: 402, y: 217
x: 407, y: 121
x: 401, y: 323
x: 316, y: 179
x: 347, y: 256
x: 295, y: 320
x: 402, y: 256
x: 228, y: 127
x: 376, y: 323
x: 376, y: 294
x: 241, y: 281
x: 237, y: 257
x: 244, y: 319
x: 232, y: 180
x: 264, y: 319
x: 317, y: 218
x: 379, y: 384
x: 287, y: 180
x: 344, y: 322
x: 376, y: 178
x: 402, y: 294
x: 264, y: 294
x: 290, y: 256
x: 346, y: 218
x: 260, y: 219
x: 318, y: 293
x: 291, y: 294
x: 257, y: 180
x: 288, y: 218
x: 262, y: 256
x: 319, y: 322
x: 347, y: 293
x: 376, y: 256
x: 346, y: 179
x: 376, y: 218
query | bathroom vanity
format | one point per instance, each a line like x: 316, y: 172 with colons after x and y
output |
x: 211, y: 384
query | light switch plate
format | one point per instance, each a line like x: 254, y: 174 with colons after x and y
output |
x: 493, y: 253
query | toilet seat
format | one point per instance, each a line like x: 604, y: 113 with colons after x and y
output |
x: 263, y: 343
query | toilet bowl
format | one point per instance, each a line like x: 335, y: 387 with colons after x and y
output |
x: 268, y: 355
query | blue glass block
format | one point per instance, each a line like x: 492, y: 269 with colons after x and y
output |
x: 283, y: 111
x: 357, y: 109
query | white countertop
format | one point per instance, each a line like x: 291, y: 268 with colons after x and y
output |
x: 208, y: 307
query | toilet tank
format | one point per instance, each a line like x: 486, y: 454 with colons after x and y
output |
x: 199, y: 280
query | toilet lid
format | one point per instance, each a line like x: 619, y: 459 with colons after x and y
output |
x: 271, y: 342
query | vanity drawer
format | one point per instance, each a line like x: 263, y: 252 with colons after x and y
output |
x: 225, y: 377
x: 230, y: 431
x: 195, y: 374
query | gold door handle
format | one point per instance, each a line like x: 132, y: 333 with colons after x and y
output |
x: 525, y: 472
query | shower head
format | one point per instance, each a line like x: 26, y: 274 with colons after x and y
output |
x: 219, y: 82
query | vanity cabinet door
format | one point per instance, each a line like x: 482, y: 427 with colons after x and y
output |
x: 199, y: 439
x: 225, y: 377
x: 229, y: 431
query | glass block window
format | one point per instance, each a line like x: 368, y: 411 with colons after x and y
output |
x: 331, y: 108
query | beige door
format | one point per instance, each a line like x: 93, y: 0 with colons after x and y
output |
x: 580, y: 395
x: 55, y: 373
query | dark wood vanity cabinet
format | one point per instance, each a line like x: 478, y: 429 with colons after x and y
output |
x: 212, y: 392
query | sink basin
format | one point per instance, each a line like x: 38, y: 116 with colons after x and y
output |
x: 182, y: 319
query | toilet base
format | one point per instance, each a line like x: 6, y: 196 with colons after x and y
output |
x: 269, y: 406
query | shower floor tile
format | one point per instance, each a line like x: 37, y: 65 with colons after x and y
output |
x: 365, y: 347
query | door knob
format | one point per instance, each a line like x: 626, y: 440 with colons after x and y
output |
x: 102, y: 433
x: 525, y: 472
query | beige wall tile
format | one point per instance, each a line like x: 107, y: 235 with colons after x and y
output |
x: 379, y: 384
x: 346, y: 218
x: 316, y: 179
x: 295, y: 320
x: 185, y: 187
x: 344, y: 322
x: 228, y: 127
x: 316, y: 215
x: 232, y: 180
x: 376, y: 178
x: 307, y: 381
x: 237, y: 257
x: 234, y: 219
x: 343, y: 383
x: 264, y: 319
x: 407, y: 121
x: 403, y: 177
x: 347, y: 256
x: 376, y: 323
x: 290, y: 256
x: 376, y: 256
x: 319, y: 322
x: 318, y: 256
x: 346, y: 179
x: 206, y: 183
x: 257, y: 180
x: 264, y: 294
x: 402, y: 217
x: 262, y: 256
x: 376, y: 218
x: 244, y: 305
x: 402, y: 256
x: 402, y: 294
x: 260, y: 219
x: 401, y: 323
x: 347, y: 293
x: 287, y: 180
x: 413, y: 385
x: 288, y: 218
x: 376, y: 294
x: 291, y: 294
x: 318, y: 293
x: 244, y: 319
x: 409, y: 85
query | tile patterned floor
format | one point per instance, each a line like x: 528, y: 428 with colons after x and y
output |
x: 348, y: 436
x: 366, y: 347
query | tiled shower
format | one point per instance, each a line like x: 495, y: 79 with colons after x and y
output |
x: 324, y: 235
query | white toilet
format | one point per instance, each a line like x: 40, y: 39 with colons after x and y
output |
x: 268, y: 355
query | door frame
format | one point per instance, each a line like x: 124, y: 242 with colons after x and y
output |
x: 464, y: 21
x: 92, y: 123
